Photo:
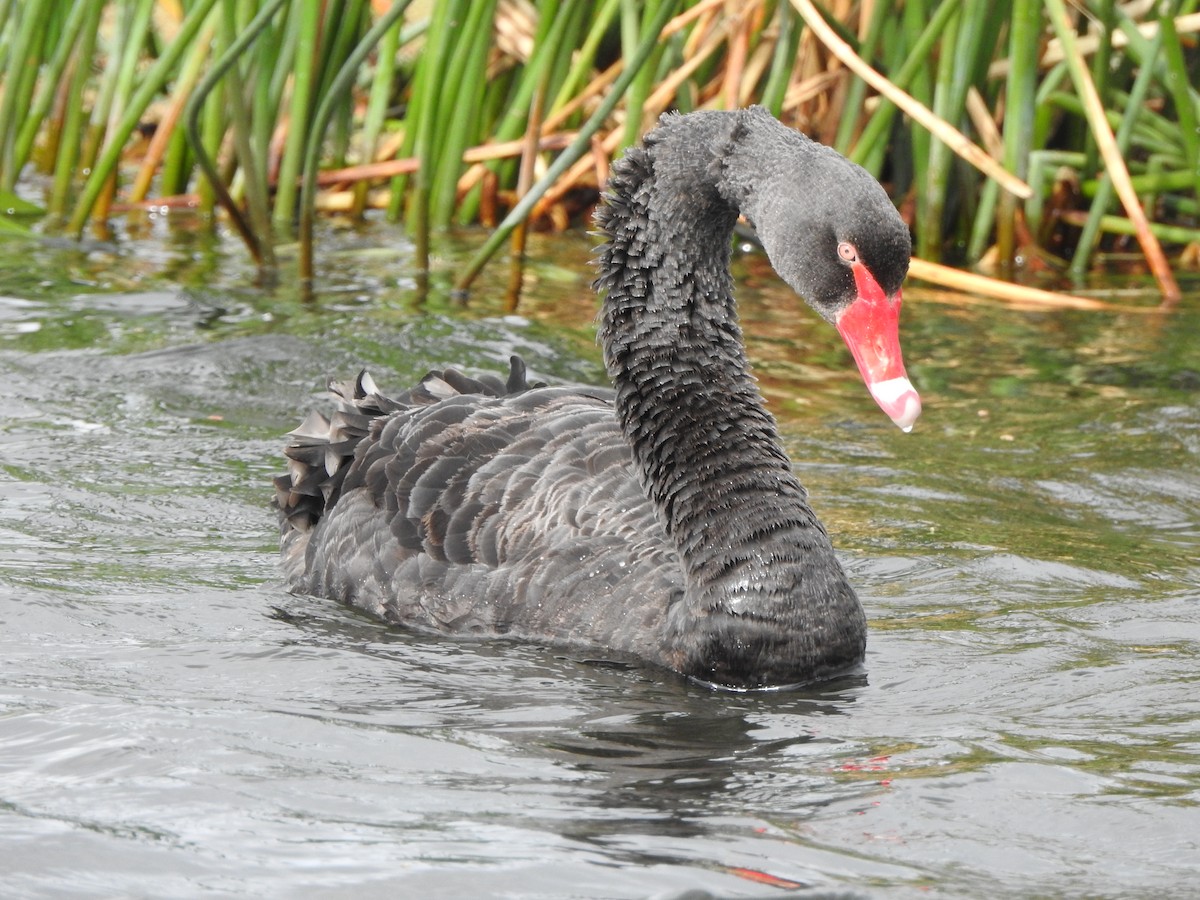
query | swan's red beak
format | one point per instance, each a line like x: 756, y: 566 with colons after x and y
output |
x: 870, y: 326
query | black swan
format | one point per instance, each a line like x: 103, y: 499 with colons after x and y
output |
x: 661, y: 520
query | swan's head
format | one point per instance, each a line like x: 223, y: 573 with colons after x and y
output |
x: 834, y: 236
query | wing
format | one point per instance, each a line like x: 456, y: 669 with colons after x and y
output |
x: 472, y: 506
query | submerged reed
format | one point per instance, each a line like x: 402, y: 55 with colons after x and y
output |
x: 1003, y: 130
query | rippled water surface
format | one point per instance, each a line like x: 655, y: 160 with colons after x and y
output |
x: 174, y: 724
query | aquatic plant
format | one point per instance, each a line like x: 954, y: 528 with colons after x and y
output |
x: 1005, y: 131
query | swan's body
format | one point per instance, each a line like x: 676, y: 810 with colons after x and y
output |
x: 662, y: 520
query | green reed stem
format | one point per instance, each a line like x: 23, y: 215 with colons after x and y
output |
x: 916, y: 13
x: 639, y: 88
x: 377, y: 103
x: 581, y: 67
x: 549, y: 38
x: 869, y: 148
x: 74, y: 118
x: 577, y: 148
x: 50, y: 80
x: 1145, y: 135
x: 458, y: 107
x: 1042, y: 172
x: 338, y: 88
x: 857, y: 90
x: 1183, y: 94
x: 344, y: 24
x: 190, y: 73
x: 151, y: 84
x: 947, y: 105
x: 118, y: 100
x: 1019, y: 107
x: 1179, y: 180
x: 192, y: 123
x: 274, y: 56
x: 1175, y: 233
x: 563, y: 58
x: 304, y: 79
x: 212, y: 135
x: 19, y: 80
x: 422, y: 120
x: 1100, y: 203
x: 552, y: 36
x: 1104, y: 17
x: 176, y: 169
x: 6, y: 43
x: 783, y: 59
x: 253, y: 167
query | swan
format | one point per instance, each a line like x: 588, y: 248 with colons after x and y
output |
x: 661, y: 519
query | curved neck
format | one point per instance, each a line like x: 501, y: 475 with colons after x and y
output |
x: 706, y: 449
x: 765, y: 600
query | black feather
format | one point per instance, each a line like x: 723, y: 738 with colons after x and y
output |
x: 660, y: 519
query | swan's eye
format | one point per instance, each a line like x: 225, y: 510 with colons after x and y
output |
x: 848, y: 252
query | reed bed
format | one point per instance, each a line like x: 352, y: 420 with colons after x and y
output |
x: 1016, y: 134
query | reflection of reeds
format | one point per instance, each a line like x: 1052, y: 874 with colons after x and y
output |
x: 1004, y: 129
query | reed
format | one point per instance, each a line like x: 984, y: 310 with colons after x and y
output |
x: 1001, y: 129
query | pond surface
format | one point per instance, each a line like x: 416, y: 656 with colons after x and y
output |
x: 174, y: 724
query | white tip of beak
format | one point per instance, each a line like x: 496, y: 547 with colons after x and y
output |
x: 899, y: 400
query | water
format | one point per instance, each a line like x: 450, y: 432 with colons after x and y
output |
x: 174, y: 724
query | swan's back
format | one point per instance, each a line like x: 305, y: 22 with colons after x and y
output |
x: 478, y: 507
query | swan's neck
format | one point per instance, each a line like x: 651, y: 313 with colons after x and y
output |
x: 707, y: 451
x: 704, y: 444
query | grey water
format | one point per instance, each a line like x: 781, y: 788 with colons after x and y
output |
x: 173, y: 723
